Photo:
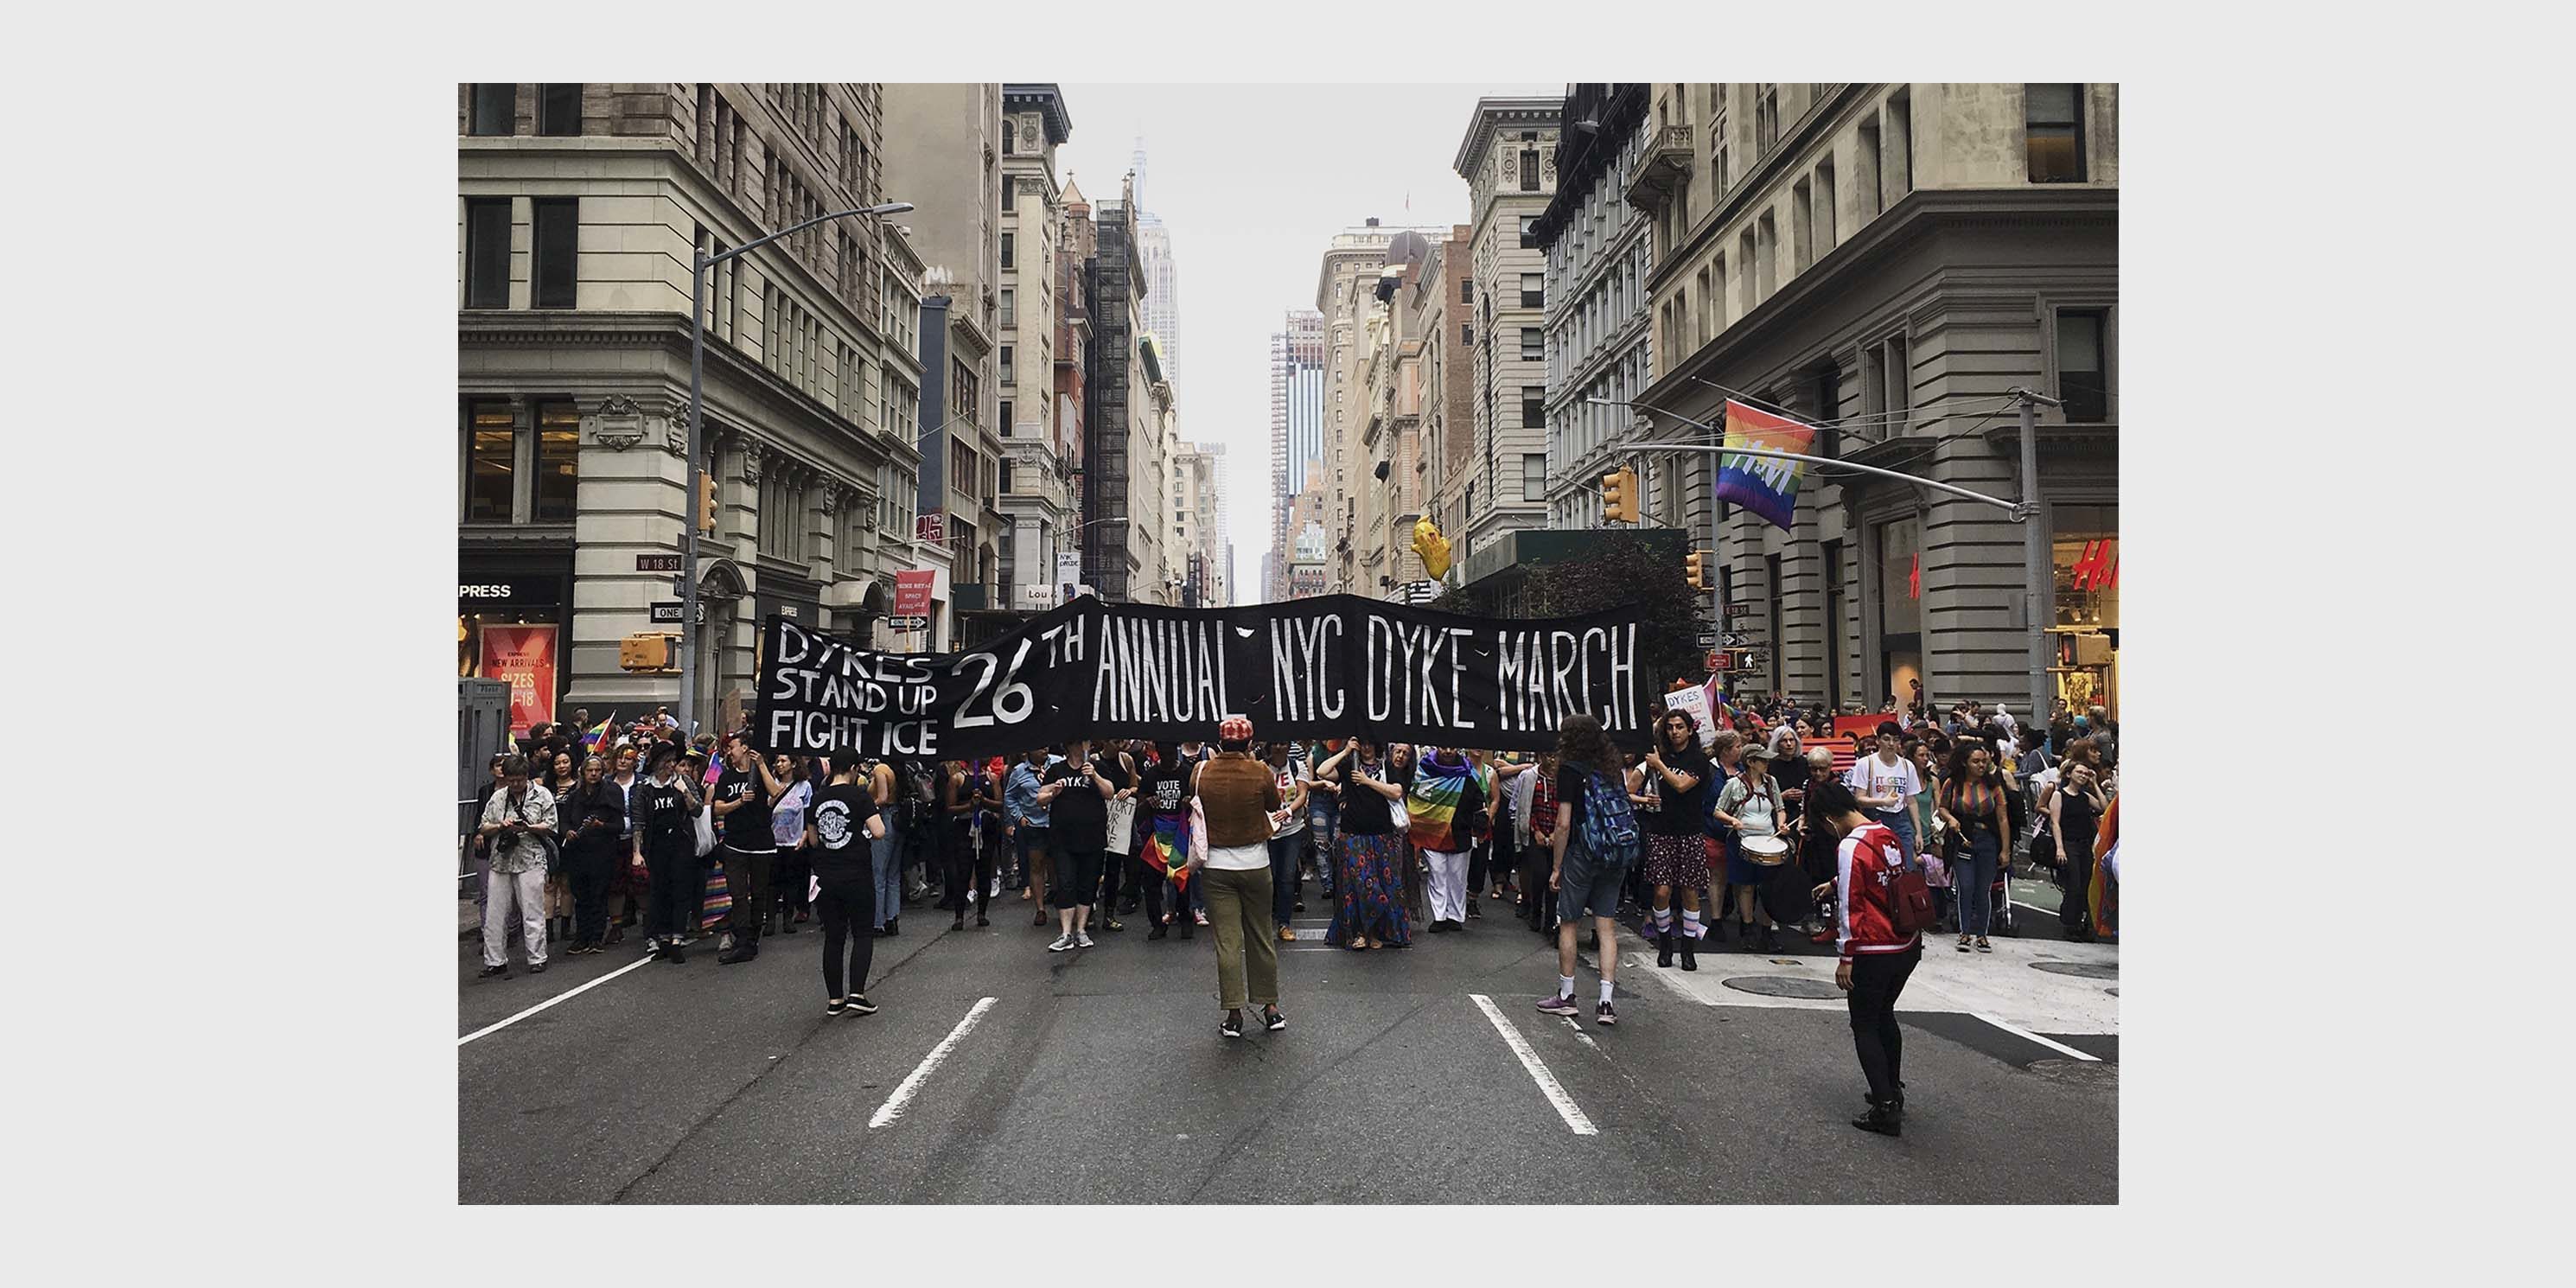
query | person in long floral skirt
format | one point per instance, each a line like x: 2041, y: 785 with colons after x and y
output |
x: 1368, y: 853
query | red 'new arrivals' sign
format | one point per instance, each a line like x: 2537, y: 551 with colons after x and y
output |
x: 912, y: 592
x: 524, y: 656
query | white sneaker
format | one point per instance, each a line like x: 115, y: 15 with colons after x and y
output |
x: 1082, y: 939
x: 1062, y: 943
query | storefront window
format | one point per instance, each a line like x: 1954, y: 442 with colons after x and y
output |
x: 2085, y: 628
x: 1899, y: 573
x: 491, y: 442
x: 558, y: 461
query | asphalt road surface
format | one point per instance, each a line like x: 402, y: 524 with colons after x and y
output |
x: 1098, y: 1076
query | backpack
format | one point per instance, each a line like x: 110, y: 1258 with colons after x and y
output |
x: 1909, y: 897
x: 1609, y: 826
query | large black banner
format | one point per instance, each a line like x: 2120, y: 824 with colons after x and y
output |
x: 1330, y: 666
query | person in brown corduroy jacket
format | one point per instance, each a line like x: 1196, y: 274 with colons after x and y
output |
x: 1238, y: 795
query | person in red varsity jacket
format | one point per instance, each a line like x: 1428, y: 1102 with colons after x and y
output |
x: 1875, y: 959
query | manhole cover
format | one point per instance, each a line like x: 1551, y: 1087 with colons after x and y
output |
x: 2087, y: 970
x: 1783, y: 986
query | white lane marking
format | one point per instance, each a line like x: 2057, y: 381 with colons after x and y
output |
x: 1547, y: 1084
x: 572, y: 992
x: 893, y: 1107
x: 2020, y: 1032
x: 1579, y: 1034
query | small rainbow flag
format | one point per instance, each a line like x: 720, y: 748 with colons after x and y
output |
x: 598, y: 735
x: 1765, y: 485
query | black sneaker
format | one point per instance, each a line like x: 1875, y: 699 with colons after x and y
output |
x: 1472, y: 913
x: 1883, y: 1120
x: 860, y: 1005
x: 536, y: 968
x: 674, y: 954
x: 1272, y: 1020
x: 982, y: 921
x: 1604, y: 1016
x: 834, y: 1006
x: 732, y: 956
x: 890, y: 926
x: 501, y: 971
x: 1233, y: 1026
x: 1158, y: 932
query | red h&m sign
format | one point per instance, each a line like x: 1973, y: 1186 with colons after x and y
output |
x: 2098, y: 568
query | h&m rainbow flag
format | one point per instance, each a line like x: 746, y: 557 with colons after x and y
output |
x: 1764, y: 485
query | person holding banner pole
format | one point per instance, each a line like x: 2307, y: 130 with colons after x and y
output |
x: 1028, y: 827
x: 745, y: 795
x: 1076, y: 794
x: 1287, y: 836
x: 1408, y: 855
x: 1367, y: 851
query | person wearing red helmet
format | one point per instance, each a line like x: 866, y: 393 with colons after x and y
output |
x: 1238, y: 794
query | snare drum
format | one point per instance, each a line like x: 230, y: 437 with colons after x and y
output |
x: 1766, y: 851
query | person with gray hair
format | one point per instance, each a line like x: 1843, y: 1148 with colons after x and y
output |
x: 514, y: 819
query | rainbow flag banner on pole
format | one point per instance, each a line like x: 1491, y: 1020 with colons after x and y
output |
x: 1766, y: 486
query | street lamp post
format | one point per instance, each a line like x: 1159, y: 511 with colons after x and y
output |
x: 699, y: 263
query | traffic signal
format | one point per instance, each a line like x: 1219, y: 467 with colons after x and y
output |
x: 707, y: 503
x: 1619, y: 495
x: 1698, y: 566
x: 651, y: 651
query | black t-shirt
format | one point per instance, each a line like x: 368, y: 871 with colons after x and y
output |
x: 1165, y: 789
x: 747, y: 827
x: 662, y: 809
x: 840, y: 821
x: 1079, y: 815
x: 1365, y: 811
x: 1571, y: 778
x: 1683, y: 813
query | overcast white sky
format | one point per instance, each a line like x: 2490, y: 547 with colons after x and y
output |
x: 1253, y: 181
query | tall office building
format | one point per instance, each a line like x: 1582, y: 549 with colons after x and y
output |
x: 1296, y: 430
x: 1162, y: 277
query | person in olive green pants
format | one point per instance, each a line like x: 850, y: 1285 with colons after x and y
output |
x: 1238, y: 794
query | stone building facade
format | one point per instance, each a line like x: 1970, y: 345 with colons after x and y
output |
x: 579, y: 211
x: 1886, y: 261
x: 1508, y: 159
x: 1599, y: 256
x: 1039, y: 458
x: 1346, y: 296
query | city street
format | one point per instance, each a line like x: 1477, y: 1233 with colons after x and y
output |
x: 997, y: 1072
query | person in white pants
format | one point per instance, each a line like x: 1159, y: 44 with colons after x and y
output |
x: 1444, y: 778
x: 517, y: 882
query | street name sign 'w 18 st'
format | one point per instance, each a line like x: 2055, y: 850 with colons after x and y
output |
x: 1327, y: 667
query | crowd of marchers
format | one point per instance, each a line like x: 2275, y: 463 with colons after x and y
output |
x: 583, y: 835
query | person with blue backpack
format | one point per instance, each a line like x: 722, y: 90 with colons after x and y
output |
x: 1596, y: 844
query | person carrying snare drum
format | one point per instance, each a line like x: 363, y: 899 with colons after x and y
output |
x: 1751, y: 805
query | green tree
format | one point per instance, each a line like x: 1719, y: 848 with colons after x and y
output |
x: 1619, y: 571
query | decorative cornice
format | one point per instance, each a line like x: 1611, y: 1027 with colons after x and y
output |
x: 1917, y: 215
